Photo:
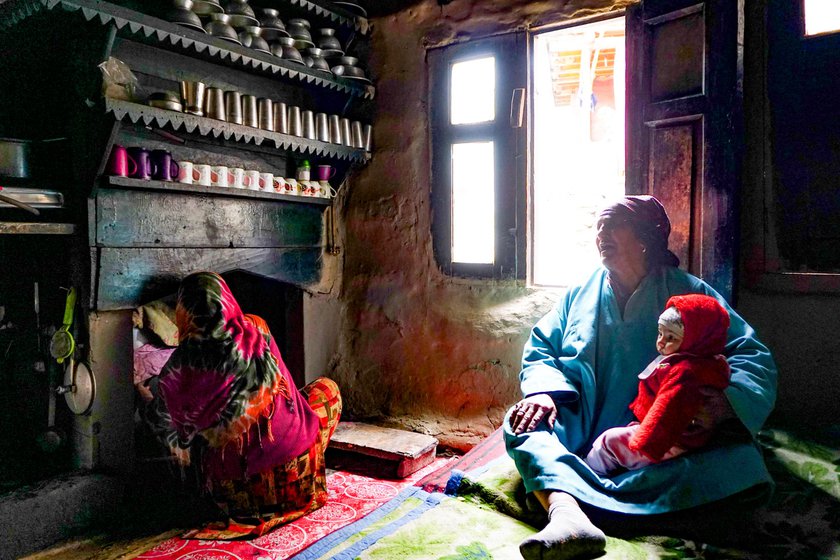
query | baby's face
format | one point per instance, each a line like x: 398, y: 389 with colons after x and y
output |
x: 667, y: 342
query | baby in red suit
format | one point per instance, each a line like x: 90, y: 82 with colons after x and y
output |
x: 672, y: 389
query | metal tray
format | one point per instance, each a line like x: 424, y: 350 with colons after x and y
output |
x: 37, y: 198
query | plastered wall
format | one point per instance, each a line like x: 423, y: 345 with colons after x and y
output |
x: 418, y: 349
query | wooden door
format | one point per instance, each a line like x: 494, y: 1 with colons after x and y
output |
x: 684, y: 68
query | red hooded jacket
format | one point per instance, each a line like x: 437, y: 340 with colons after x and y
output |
x: 670, y: 397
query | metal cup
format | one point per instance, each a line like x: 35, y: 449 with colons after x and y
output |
x: 295, y: 124
x: 214, y: 105
x: 367, y: 136
x: 250, y: 115
x: 281, y: 118
x: 308, y: 118
x: 265, y: 114
x: 356, y: 130
x: 322, y: 129
x: 192, y: 96
x: 335, y: 129
x: 233, y: 107
x: 346, y: 138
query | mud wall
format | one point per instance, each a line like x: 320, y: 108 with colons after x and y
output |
x: 419, y: 349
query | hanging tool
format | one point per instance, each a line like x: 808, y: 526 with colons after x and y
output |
x: 63, y: 344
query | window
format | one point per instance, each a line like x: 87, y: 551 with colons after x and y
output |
x: 821, y: 16
x: 478, y: 183
x: 482, y: 224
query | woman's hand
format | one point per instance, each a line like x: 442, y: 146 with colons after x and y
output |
x: 182, y: 456
x: 530, y: 411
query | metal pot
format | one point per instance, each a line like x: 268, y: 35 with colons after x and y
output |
x: 15, y: 158
x: 20, y: 158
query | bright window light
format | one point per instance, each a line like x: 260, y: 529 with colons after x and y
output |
x: 473, y: 208
x: 822, y: 16
x: 473, y: 91
x: 578, y: 145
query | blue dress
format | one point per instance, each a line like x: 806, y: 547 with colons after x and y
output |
x: 587, y: 357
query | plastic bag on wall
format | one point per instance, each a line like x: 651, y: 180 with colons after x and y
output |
x: 118, y: 81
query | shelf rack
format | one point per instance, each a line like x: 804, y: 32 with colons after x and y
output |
x: 164, y: 34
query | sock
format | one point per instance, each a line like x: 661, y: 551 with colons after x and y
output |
x: 569, y: 534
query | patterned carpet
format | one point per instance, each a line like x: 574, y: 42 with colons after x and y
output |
x: 352, y: 497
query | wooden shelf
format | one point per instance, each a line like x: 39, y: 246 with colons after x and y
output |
x: 36, y: 228
x: 136, y: 113
x: 168, y: 186
x: 167, y: 35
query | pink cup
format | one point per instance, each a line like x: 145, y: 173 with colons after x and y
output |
x: 120, y: 164
x: 325, y: 172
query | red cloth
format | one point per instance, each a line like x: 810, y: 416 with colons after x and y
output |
x: 670, y: 398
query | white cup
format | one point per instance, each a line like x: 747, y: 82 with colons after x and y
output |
x: 220, y: 176
x: 266, y: 182
x: 201, y: 174
x: 327, y: 190
x: 185, y: 172
x: 237, y: 177
x: 251, y: 179
x: 278, y: 184
x: 292, y: 187
x: 310, y: 188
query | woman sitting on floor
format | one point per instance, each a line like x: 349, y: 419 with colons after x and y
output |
x: 226, y: 400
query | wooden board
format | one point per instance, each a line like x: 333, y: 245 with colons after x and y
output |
x: 397, y: 452
x: 126, y: 277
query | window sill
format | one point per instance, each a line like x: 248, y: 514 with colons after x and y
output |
x: 799, y: 282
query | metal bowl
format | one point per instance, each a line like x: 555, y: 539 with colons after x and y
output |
x: 272, y: 25
x: 219, y: 26
x: 241, y: 14
x: 207, y: 7
x: 299, y: 29
x: 185, y: 17
x: 348, y: 71
x: 285, y: 48
x: 165, y: 100
x: 251, y: 37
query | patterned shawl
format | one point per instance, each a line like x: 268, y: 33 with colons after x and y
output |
x: 223, y: 377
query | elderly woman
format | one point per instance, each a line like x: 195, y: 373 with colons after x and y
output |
x: 579, y: 375
x: 226, y: 399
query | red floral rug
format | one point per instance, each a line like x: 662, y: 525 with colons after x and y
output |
x: 351, y: 497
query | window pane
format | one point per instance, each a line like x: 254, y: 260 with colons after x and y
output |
x: 473, y: 91
x: 578, y: 145
x: 473, y: 208
x: 821, y: 16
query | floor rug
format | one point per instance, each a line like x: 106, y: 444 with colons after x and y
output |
x: 352, y: 496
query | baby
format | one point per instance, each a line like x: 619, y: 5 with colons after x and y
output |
x: 692, y: 334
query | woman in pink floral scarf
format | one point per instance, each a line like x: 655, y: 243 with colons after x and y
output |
x: 226, y: 401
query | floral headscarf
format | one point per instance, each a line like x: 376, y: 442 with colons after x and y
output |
x: 223, y: 377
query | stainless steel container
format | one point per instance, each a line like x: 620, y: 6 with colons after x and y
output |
x: 281, y: 118
x: 346, y: 138
x: 367, y: 137
x: 214, y: 105
x: 265, y: 114
x: 192, y: 97
x: 233, y: 107
x: 335, y: 129
x: 250, y: 114
x: 356, y: 131
x: 322, y: 129
x: 295, y: 124
x: 308, y: 118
